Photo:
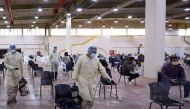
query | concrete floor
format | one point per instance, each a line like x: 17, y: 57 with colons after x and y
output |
x: 130, y: 97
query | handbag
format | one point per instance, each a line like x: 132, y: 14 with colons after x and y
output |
x: 22, y: 86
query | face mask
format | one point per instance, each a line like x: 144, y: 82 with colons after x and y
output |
x: 54, y: 51
x: 13, y: 51
x: 174, y: 63
x: 93, y: 55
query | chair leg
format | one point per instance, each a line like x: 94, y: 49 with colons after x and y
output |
x: 3, y: 74
x: 116, y: 91
x: 40, y: 91
x: 111, y: 91
x: 180, y: 91
x: 150, y: 105
x: 119, y: 79
x: 104, y: 92
x: 52, y: 90
x: 166, y: 107
x: 125, y: 81
x: 179, y: 107
x: 161, y: 106
x: 100, y: 89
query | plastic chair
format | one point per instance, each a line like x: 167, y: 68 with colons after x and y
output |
x: 108, y: 83
x: 2, y: 70
x: 46, y: 80
x: 159, y: 96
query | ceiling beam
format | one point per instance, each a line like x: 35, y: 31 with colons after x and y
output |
x: 177, y: 4
x: 178, y: 15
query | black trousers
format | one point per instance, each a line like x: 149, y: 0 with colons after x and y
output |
x: 132, y: 76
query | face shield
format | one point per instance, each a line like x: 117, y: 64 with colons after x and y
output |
x: 12, y: 49
x: 92, y: 51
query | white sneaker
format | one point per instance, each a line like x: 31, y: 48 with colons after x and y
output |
x: 130, y: 83
x: 187, y: 99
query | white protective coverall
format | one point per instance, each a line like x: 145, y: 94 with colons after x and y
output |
x: 54, y: 60
x: 13, y: 76
x: 85, y: 73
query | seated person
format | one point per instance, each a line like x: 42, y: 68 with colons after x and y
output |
x: 128, y: 69
x: 173, y: 73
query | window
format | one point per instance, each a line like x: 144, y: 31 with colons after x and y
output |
x: 136, y: 31
x: 88, y: 32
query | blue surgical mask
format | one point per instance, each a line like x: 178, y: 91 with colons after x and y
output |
x: 93, y: 55
x: 13, y: 51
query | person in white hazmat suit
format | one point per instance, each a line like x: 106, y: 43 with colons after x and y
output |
x: 54, y: 60
x: 14, y: 63
x: 85, y: 74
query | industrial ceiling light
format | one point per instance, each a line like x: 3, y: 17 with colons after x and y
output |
x: 99, y: 17
x: 187, y: 18
x: 130, y: 17
x: 32, y: 25
x: 94, y: 0
x: 116, y: 21
x: 170, y: 25
x: 4, y: 17
x: 103, y: 26
x: 40, y: 9
x: 56, y: 26
x: 68, y: 14
x: 115, y: 9
x: 184, y: 0
x: 1, y: 9
x: 62, y: 21
x: 45, y: 0
x: 142, y: 21
x: 36, y: 17
x: 36, y: 27
x: 126, y: 26
x: 167, y: 21
x: 79, y: 9
x: 80, y: 26
x: 33, y: 22
x: 170, y: 29
x: 8, y: 26
x: 6, y: 22
x: 89, y: 22
x: 187, y: 9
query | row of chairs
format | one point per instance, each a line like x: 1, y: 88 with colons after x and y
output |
x: 46, y: 77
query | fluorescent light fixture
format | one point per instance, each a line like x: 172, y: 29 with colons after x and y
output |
x: 56, y: 26
x: 80, y: 26
x: 99, y: 17
x: 36, y: 27
x: 8, y: 26
x: 187, y: 9
x: 45, y: 0
x: 79, y: 9
x: 142, y: 21
x: 6, y: 22
x: 1, y: 9
x: 170, y: 29
x: 167, y: 21
x: 116, y: 21
x: 62, y: 22
x: 126, y: 26
x: 32, y: 25
x: 184, y: 0
x: 94, y: 0
x: 170, y: 25
x: 89, y: 22
x: 187, y: 18
x: 103, y: 26
x: 33, y: 21
x: 36, y: 17
x: 130, y: 16
x: 115, y: 9
x: 68, y: 14
x: 40, y: 9
x: 4, y: 17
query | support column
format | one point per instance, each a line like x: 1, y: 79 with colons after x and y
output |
x: 68, y: 37
x: 155, y: 37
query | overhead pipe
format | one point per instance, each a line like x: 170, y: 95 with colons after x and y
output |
x: 59, y: 5
x: 9, y: 10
